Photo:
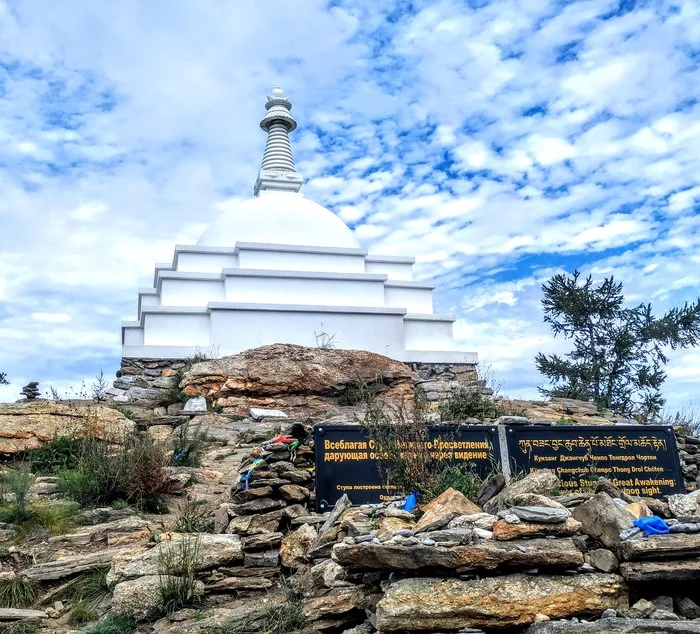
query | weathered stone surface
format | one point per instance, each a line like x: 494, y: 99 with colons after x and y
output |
x: 540, y: 514
x: 69, y: 566
x: 295, y: 546
x: 444, y: 508
x: 261, y: 541
x: 236, y: 584
x: 329, y: 574
x: 477, y: 520
x: 676, y: 570
x: 684, y: 505
x: 141, y: 598
x: 606, y: 486
x: 554, y: 409
x: 488, y: 555
x: 617, y: 626
x: 253, y: 524
x: 687, y: 608
x: 292, y: 493
x: 132, y: 526
x: 334, y: 604
x: 212, y: 550
x: 16, y: 614
x: 535, y: 499
x: 539, y: 482
x: 661, y: 547
x: 262, y: 559
x: 389, y: 525
x: 328, y: 532
x: 31, y: 424
x: 260, y: 505
x: 490, y: 488
x: 294, y: 379
x: 603, y: 519
x: 433, y: 605
x: 604, y: 560
x: 504, y: 531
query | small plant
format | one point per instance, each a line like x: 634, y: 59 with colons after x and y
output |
x: 468, y: 403
x: 125, y: 412
x: 90, y: 588
x: 324, y: 340
x: 113, y: 625
x: 279, y: 619
x: 17, y: 593
x: 173, y: 393
x: 20, y: 627
x: 99, y: 387
x: 359, y: 393
x: 188, y: 446
x: 81, y: 613
x: 565, y: 420
x: 193, y: 517
x: 62, y: 452
x: 176, y: 569
x: 15, y: 484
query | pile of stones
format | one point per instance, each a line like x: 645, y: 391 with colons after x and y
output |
x: 31, y: 390
x: 689, y: 452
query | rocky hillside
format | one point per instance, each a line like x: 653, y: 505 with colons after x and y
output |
x: 153, y: 518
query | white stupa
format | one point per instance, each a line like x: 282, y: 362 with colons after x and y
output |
x: 279, y: 268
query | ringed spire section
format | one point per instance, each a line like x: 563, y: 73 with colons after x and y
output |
x: 278, y: 172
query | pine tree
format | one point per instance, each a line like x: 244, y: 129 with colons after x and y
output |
x: 619, y: 353
x: 3, y: 379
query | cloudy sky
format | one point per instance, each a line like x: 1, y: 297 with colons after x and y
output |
x: 497, y: 142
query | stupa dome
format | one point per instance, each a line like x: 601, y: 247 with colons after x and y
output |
x: 279, y: 218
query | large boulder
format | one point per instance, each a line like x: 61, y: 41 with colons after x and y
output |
x: 27, y: 425
x: 294, y: 379
x: 540, y: 482
x: 603, y: 519
x: 436, y: 605
x: 443, y: 509
x: 142, y: 598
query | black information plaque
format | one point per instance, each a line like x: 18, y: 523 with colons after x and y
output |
x: 347, y: 460
x: 639, y: 459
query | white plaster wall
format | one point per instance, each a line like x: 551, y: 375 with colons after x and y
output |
x: 190, y: 292
x: 316, y: 292
x: 414, y: 300
x: 206, y: 262
x: 132, y: 336
x: 234, y: 331
x: 177, y: 329
x: 395, y: 271
x: 428, y: 335
x: 291, y: 261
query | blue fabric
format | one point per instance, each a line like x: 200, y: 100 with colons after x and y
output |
x: 411, y: 502
x: 651, y: 525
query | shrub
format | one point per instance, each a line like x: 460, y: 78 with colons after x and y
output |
x: 81, y: 613
x: 173, y: 393
x: 61, y: 453
x: 468, y: 403
x: 176, y: 567
x: 15, y: 483
x: 279, y: 619
x: 134, y: 473
x: 113, y: 625
x: 188, y: 446
x: 89, y: 588
x: 17, y: 593
x: 193, y: 517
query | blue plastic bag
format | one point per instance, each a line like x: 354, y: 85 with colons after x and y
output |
x: 411, y: 502
x: 651, y: 525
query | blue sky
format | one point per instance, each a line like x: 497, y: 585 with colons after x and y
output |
x: 497, y: 142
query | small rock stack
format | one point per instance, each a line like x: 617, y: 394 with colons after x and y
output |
x: 689, y: 452
x: 31, y: 390
x: 271, y: 498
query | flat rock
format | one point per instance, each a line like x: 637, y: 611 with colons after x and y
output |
x: 295, y: 546
x: 262, y: 541
x: 196, y: 404
x: 675, y: 546
x: 69, y: 566
x: 505, y: 531
x: 687, y: 608
x: 29, y: 425
x: 677, y: 570
x: 540, y: 514
x: 15, y: 614
x: 254, y: 524
x: 236, y: 584
x: 430, y: 605
x: 684, y: 505
x: 212, y: 551
x: 603, y: 519
x: 604, y: 560
x: 616, y: 626
x: 258, y: 413
x: 540, y: 482
x: 490, y: 488
x: 141, y: 598
x: 488, y: 555
x: 444, y: 508
x: 260, y: 505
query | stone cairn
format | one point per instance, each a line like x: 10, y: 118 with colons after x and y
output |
x: 31, y: 390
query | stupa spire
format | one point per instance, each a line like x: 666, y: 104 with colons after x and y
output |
x: 277, y: 171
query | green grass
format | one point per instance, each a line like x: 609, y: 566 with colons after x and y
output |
x: 81, y: 613
x: 124, y: 411
x: 176, y: 567
x: 90, y: 588
x: 113, y: 625
x: 565, y: 420
x: 61, y: 453
x: 188, y: 446
x: 17, y: 593
x: 193, y: 517
x: 20, y: 627
x: 280, y: 619
x: 15, y: 484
